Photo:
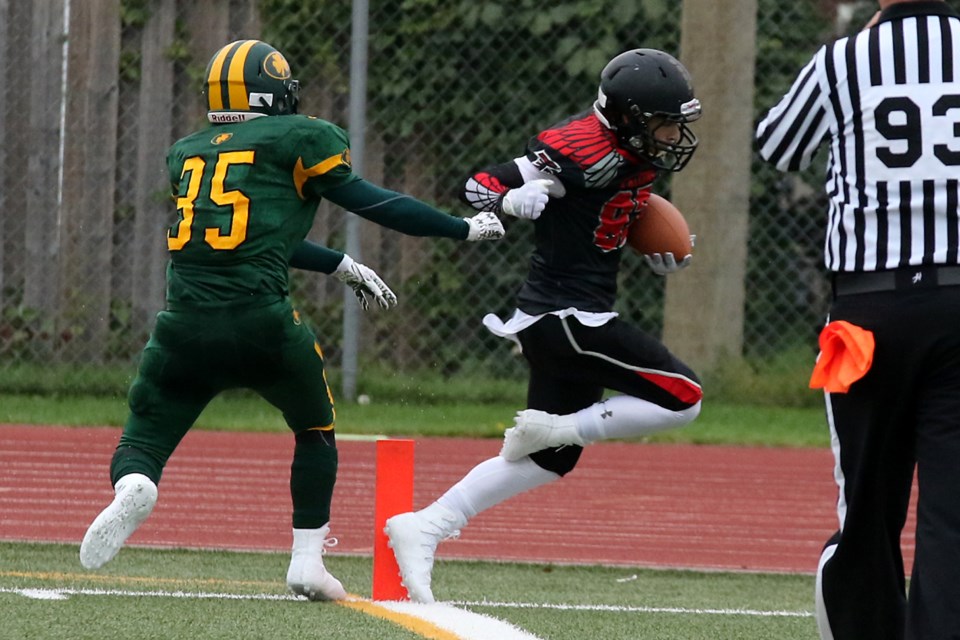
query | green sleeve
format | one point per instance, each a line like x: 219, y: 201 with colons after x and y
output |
x: 310, y: 256
x: 397, y: 211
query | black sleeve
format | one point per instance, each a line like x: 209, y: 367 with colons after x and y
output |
x: 484, y: 190
x: 310, y: 256
x: 397, y: 211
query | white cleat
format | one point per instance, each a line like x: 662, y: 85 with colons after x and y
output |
x: 135, y: 496
x: 414, y: 538
x: 538, y: 430
x: 306, y: 575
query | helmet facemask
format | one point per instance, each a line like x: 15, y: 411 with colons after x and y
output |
x: 639, y: 133
x: 291, y: 99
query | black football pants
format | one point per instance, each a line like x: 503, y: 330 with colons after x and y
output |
x: 572, y: 364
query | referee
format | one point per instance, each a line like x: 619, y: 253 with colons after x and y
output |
x: 886, y: 102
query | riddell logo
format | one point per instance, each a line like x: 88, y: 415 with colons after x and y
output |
x: 221, y: 118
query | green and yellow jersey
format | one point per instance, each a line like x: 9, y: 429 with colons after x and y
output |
x: 246, y: 194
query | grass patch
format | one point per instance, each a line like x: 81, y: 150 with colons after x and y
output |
x: 780, y: 380
x: 731, y: 424
x: 718, y: 423
x: 765, y: 404
x: 383, y: 385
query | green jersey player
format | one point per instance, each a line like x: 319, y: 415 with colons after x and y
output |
x: 246, y: 190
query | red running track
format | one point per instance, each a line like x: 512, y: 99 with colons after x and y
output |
x: 643, y: 505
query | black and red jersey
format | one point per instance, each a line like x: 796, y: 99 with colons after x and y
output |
x: 579, y: 237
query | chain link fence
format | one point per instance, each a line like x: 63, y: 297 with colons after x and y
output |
x: 98, y: 89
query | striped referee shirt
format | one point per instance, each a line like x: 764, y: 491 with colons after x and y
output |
x: 888, y: 102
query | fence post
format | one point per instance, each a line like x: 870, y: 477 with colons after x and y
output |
x: 358, y: 128
x: 717, y: 45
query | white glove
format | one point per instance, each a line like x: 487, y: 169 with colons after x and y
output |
x: 529, y: 200
x: 484, y: 226
x: 364, y: 280
x: 665, y: 263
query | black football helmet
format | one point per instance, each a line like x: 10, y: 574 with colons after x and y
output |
x: 641, y: 90
x: 249, y: 77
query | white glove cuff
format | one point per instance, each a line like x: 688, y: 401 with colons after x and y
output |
x: 345, y: 265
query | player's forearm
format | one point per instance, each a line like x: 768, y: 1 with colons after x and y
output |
x: 310, y: 256
x: 397, y: 211
x: 484, y: 190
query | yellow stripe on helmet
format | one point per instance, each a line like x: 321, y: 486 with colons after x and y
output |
x: 214, y: 92
x: 239, y: 100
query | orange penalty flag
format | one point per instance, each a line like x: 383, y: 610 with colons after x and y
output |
x: 846, y: 353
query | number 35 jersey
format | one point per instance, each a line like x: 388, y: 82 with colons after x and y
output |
x: 246, y: 195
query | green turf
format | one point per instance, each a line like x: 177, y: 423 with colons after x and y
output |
x: 553, y: 602
x: 717, y: 424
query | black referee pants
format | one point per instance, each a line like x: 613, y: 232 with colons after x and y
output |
x: 903, y: 415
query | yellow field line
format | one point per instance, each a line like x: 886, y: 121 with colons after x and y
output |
x: 417, y: 625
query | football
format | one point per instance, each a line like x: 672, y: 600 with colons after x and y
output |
x: 660, y: 228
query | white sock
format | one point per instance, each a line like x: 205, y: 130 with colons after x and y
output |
x: 629, y: 417
x: 493, y: 481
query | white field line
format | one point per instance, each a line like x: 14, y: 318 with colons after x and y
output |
x: 52, y: 594
x: 408, y: 606
x: 625, y: 609
x: 464, y: 624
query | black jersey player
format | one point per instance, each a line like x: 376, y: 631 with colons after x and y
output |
x: 582, y: 182
x: 246, y: 190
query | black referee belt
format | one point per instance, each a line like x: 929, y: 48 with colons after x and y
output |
x: 903, y: 279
